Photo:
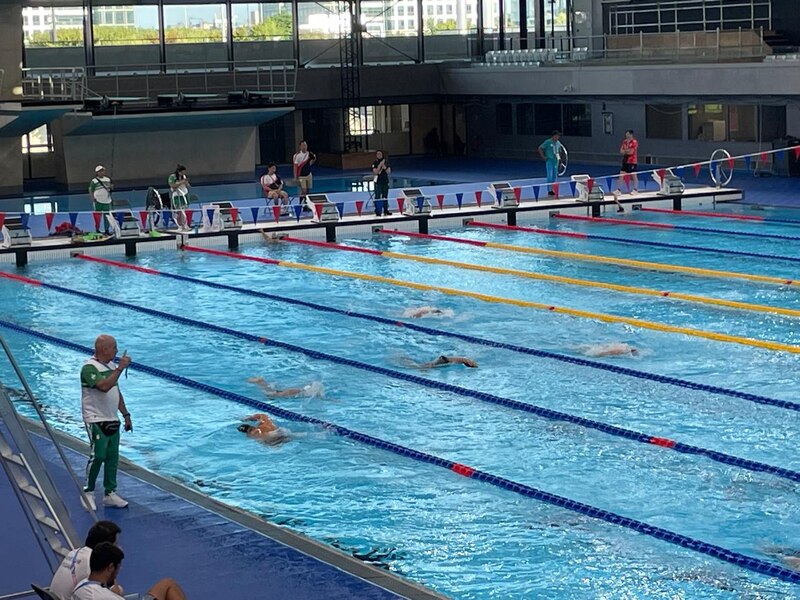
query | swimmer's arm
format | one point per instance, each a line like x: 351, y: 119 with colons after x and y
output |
x: 287, y: 393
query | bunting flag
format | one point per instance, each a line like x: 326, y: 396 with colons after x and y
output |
x: 589, y: 185
x: 2, y: 219
x: 359, y: 206
x: 298, y: 210
x: 24, y: 217
x: 747, y: 161
x: 797, y: 152
x: 120, y: 217
x: 459, y: 199
x: 556, y: 187
x: 661, y: 174
x: 518, y: 193
x: 142, y: 217
x: 400, y: 203
x: 210, y: 215
x: 73, y: 218
x: 731, y: 162
x: 254, y: 211
x: 97, y: 218
x: 440, y: 200
x: 340, y: 208
x: 318, y: 211
x: 763, y: 157
x: 627, y: 179
x: 167, y: 217
x: 780, y: 154
x: 609, y: 183
x: 536, y: 190
x: 276, y: 212
x: 189, y: 214
x: 420, y: 203
x: 499, y: 195
x: 697, y: 170
x: 573, y: 186
x: 478, y: 198
x: 234, y: 214
x: 679, y: 172
x: 48, y: 219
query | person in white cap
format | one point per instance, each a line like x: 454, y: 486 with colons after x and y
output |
x: 100, y: 192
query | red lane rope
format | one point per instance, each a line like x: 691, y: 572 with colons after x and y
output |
x: 700, y: 213
x: 615, y: 221
x: 572, y: 234
x: 114, y: 263
x: 330, y: 245
x: 20, y: 278
x: 267, y: 261
x: 428, y: 236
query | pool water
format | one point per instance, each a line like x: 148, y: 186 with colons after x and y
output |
x: 461, y: 537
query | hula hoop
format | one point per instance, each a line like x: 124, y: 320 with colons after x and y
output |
x: 720, y: 167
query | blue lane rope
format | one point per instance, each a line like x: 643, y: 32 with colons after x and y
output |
x: 583, y: 362
x: 749, y: 563
x: 547, y: 413
x: 772, y: 236
x: 608, y: 238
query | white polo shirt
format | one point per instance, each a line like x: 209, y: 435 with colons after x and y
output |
x: 70, y: 572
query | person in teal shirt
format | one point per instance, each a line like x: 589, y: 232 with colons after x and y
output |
x: 550, y: 151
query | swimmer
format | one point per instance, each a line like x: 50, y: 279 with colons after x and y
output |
x: 264, y: 430
x: 789, y: 557
x: 441, y: 361
x: 271, y: 237
x: 312, y: 390
x: 613, y: 349
x: 427, y: 311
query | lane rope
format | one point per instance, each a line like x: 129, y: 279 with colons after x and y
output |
x: 749, y: 563
x: 719, y: 215
x: 672, y: 226
x: 624, y: 262
x: 626, y: 289
x: 653, y: 325
x: 584, y: 362
x: 608, y: 238
x: 539, y: 411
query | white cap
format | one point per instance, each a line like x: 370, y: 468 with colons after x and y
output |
x: 99, y: 168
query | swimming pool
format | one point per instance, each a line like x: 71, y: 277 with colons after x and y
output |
x: 462, y: 537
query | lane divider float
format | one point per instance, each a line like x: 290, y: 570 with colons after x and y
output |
x: 613, y: 430
x: 610, y: 260
x: 626, y: 289
x: 632, y: 223
x: 719, y: 215
x: 749, y: 563
x: 608, y: 238
x: 584, y: 362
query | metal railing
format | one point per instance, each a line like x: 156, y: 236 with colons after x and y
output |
x: 661, y: 16
x: 54, y: 84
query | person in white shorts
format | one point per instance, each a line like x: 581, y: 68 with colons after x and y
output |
x: 100, y: 188
x: 302, y: 162
x: 75, y: 566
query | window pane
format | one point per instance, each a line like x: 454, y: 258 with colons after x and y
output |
x: 125, y: 25
x: 449, y: 35
x: 194, y: 23
x: 664, y: 121
x: 38, y: 140
x: 389, y: 31
x: 318, y: 28
x: 503, y: 118
x: 577, y: 120
x: 773, y: 122
x: 742, y: 123
x: 707, y: 122
x: 52, y: 26
x: 547, y: 118
x: 525, y: 119
x: 262, y: 31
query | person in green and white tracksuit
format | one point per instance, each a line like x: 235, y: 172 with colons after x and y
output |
x: 179, y: 193
x: 101, y: 400
x: 100, y: 188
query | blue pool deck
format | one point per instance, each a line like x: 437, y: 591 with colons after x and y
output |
x: 213, y: 551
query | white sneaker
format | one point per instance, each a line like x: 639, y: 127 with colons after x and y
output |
x: 114, y: 500
x: 87, y: 500
x: 634, y: 192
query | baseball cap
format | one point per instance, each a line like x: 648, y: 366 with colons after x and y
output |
x: 98, y: 168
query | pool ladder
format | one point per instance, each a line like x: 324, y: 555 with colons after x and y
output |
x: 38, y: 496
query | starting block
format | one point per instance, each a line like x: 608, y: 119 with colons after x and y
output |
x: 670, y: 185
x: 222, y: 217
x: 15, y: 235
x: 503, y: 194
x: 412, y: 205
x: 596, y: 194
x: 328, y: 214
x: 127, y: 228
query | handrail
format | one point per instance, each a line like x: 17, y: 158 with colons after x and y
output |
x: 54, y: 83
x: 48, y: 430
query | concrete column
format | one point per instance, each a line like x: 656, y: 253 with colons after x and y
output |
x: 11, y: 50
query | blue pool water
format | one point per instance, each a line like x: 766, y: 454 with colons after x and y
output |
x: 461, y: 537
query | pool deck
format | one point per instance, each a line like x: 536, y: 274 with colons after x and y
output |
x: 214, y: 551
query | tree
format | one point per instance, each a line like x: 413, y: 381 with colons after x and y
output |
x: 432, y: 26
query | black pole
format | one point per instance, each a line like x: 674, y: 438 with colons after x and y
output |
x: 540, y: 32
x: 523, y: 24
x: 501, y: 29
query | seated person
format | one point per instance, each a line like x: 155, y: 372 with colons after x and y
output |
x: 427, y: 311
x: 75, y: 566
x: 105, y: 563
x: 264, y: 430
x: 442, y: 361
x: 272, y: 185
x: 612, y: 349
x: 311, y: 390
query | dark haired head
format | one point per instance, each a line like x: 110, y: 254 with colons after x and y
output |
x: 270, y: 165
x: 102, y: 531
x: 244, y: 428
x: 104, y: 555
x: 629, y: 131
x: 556, y: 132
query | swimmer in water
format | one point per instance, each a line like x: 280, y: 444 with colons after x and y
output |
x: 427, y: 311
x: 264, y: 430
x: 441, y: 361
x: 613, y: 349
x: 271, y: 237
x: 789, y: 557
x: 312, y: 390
